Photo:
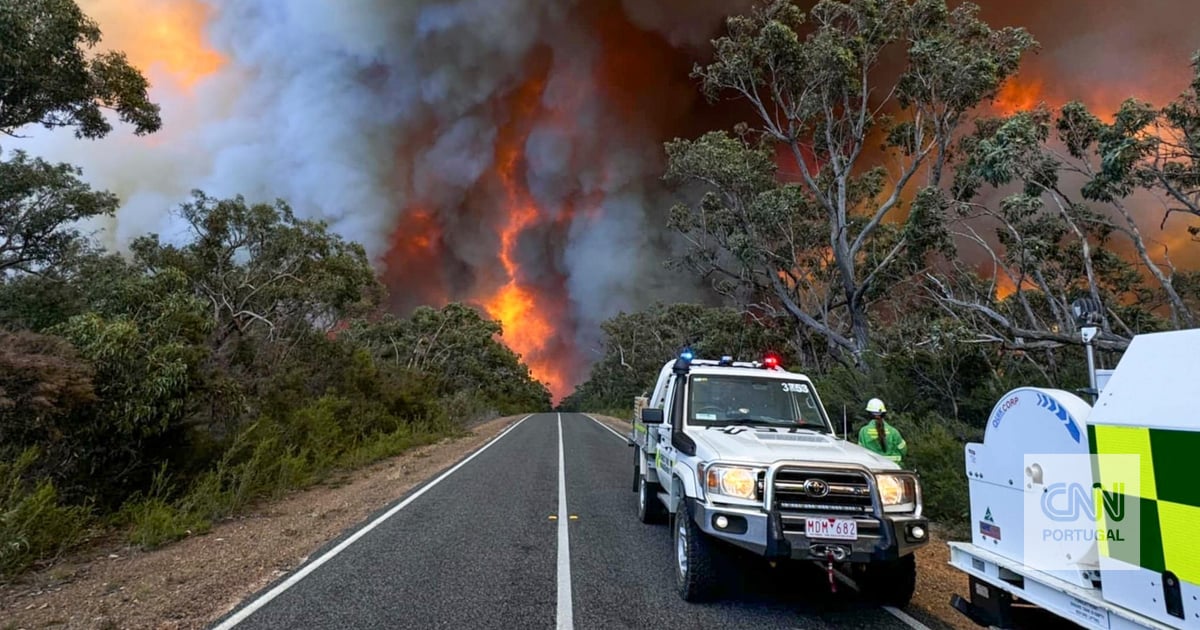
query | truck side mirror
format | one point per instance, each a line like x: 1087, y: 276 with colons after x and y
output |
x: 652, y: 416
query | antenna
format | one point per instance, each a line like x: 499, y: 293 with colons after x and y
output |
x: 845, y: 426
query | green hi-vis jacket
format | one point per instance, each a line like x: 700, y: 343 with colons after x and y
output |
x: 896, y: 449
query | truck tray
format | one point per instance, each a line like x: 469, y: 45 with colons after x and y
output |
x: 1083, y: 606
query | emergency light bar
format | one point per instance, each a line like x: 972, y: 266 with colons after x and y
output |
x: 687, y: 359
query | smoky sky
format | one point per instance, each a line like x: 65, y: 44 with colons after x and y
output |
x: 385, y: 119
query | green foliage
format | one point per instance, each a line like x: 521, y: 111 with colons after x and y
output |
x: 142, y: 378
x: 275, y: 456
x: 50, y: 79
x: 638, y: 344
x: 459, y: 346
x: 34, y: 524
x: 1057, y: 243
x: 152, y: 519
x: 176, y: 387
x: 179, y: 387
x: 936, y: 451
x: 38, y: 202
x: 818, y: 243
x: 262, y: 271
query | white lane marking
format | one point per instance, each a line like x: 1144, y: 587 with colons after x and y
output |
x: 895, y: 612
x: 566, y: 616
x: 906, y: 618
x: 610, y: 429
x: 312, y: 566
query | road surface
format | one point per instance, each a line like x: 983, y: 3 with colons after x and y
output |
x: 537, y: 529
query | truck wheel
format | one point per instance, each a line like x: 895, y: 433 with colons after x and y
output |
x: 890, y: 583
x: 695, y: 558
x: 650, y: 509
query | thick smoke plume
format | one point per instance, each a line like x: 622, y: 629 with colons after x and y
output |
x: 504, y: 152
x: 390, y: 120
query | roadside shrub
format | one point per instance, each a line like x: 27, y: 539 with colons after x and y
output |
x: 465, y: 408
x: 935, y: 450
x: 153, y: 518
x: 387, y: 445
x: 276, y: 456
x: 34, y: 524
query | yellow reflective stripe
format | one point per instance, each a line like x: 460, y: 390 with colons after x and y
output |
x: 1113, y: 440
x: 1169, y: 542
x: 1180, y: 551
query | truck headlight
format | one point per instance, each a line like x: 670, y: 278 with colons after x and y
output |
x: 898, y: 493
x: 732, y: 481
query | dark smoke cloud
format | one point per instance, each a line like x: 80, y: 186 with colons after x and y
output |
x: 383, y: 118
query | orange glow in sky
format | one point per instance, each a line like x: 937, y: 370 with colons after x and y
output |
x: 1019, y: 94
x: 166, y: 34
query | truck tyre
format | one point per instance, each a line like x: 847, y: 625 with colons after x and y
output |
x: 695, y: 558
x: 889, y: 583
x: 650, y: 509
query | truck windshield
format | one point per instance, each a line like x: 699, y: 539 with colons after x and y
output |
x: 724, y: 400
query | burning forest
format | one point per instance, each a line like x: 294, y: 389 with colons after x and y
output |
x: 506, y: 154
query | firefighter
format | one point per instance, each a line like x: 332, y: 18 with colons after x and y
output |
x: 881, y: 437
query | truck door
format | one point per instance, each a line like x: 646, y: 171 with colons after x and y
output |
x: 665, y: 452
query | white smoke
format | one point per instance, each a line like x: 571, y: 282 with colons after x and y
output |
x: 352, y: 110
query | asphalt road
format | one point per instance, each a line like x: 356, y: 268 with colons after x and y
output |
x: 481, y: 546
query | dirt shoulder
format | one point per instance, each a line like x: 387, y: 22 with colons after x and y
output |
x: 936, y: 580
x: 191, y: 583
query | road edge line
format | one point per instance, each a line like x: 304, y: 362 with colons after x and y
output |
x: 565, y: 612
x: 266, y: 598
x: 906, y: 618
x: 610, y: 429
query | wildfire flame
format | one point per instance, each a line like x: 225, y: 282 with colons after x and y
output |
x: 1104, y: 100
x: 1005, y: 287
x: 1019, y: 94
x: 641, y: 80
x: 522, y: 311
x: 416, y: 240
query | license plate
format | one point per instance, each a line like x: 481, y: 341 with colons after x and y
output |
x: 833, y: 528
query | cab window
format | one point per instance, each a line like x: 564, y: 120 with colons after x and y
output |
x: 720, y: 400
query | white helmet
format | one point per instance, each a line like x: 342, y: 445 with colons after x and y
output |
x: 875, y: 406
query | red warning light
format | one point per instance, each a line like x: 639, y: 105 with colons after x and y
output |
x: 771, y: 361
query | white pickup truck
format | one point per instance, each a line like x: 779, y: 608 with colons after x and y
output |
x: 743, y: 454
